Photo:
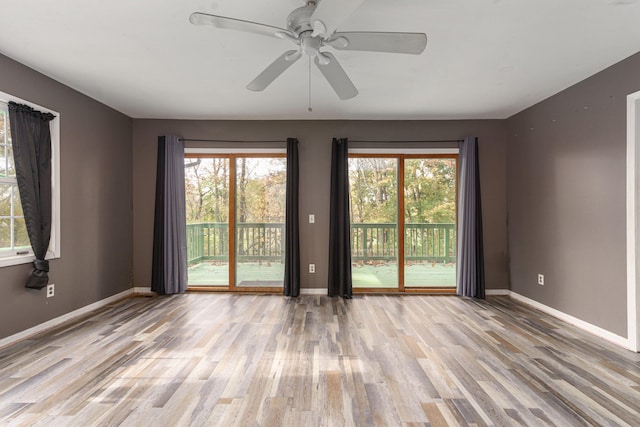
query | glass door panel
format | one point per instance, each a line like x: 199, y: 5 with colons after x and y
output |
x: 260, y: 214
x: 430, y: 222
x: 374, y: 206
x: 207, y: 208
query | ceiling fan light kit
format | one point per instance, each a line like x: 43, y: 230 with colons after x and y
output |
x: 311, y: 28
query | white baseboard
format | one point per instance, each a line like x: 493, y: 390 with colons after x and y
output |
x: 65, y: 318
x: 143, y: 291
x: 497, y: 292
x: 585, y: 326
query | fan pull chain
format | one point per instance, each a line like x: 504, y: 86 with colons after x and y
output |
x: 309, y: 107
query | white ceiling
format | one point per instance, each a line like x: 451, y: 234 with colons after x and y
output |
x: 484, y: 58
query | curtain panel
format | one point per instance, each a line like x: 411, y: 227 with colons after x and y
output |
x: 339, y: 223
x: 292, y: 226
x: 470, y: 262
x: 31, y: 143
x: 169, y: 265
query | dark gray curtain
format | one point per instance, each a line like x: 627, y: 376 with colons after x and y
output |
x: 31, y: 141
x: 292, y: 225
x: 470, y: 260
x: 339, y: 222
x: 169, y: 265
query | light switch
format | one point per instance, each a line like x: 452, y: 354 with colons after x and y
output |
x: 312, y: 219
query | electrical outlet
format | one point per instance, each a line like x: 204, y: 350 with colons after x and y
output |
x: 51, y: 290
x: 312, y: 268
x: 312, y: 219
x: 541, y: 279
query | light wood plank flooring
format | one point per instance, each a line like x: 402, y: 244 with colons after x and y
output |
x: 226, y: 359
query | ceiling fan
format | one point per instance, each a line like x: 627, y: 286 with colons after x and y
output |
x: 312, y: 27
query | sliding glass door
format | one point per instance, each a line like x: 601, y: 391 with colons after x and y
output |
x: 207, y: 190
x: 374, y: 222
x: 259, y: 211
x: 430, y: 222
x: 405, y: 243
x: 235, y: 221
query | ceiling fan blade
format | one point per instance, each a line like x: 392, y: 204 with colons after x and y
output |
x: 274, y: 70
x: 226, y: 23
x: 332, y: 13
x: 412, y: 43
x: 336, y: 76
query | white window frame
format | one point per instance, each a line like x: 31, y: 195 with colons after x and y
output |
x: 396, y: 151
x: 235, y: 150
x: 8, y: 258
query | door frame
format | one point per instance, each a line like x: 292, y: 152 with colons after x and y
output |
x: 400, y: 155
x: 232, y: 155
x: 633, y: 221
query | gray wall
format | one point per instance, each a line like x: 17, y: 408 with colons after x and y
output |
x: 558, y: 167
x: 315, y: 155
x: 96, y: 213
x: 566, y: 198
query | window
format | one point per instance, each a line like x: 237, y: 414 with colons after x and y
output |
x: 235, y: 206
x: 14, y: 241
x: 403, y: 220
x: 13, y: 231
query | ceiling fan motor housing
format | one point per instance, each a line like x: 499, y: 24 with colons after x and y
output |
x: 310, y: 45
x: 298, y: 21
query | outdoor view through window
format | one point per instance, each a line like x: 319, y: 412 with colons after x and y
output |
x: 240, y: 196
x: 236, y: 211
x: 426, y: 214
x: 13, y: 231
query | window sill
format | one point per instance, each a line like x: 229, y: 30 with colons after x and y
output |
x: 8, y: 261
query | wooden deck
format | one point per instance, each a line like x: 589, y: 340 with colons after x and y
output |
x: 378, y: 275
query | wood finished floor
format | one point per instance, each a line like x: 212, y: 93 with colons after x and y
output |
x: 225, y: 359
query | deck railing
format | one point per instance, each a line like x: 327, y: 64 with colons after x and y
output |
x: 430, y: 242
x: 422, y: 242
x: 207, y: 241
x: 255, y: 242
x: 369, y: 242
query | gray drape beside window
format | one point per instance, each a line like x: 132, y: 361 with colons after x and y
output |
x: 292, y: 226
x: 31, y: 142
x: 339, y: 224
x: 470, y: 259
x: 169, y: 269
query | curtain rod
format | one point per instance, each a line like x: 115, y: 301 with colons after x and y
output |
x: 350, y: 140
x: 396, y: 141
x: 34, y: 108
x: 225, y: 140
